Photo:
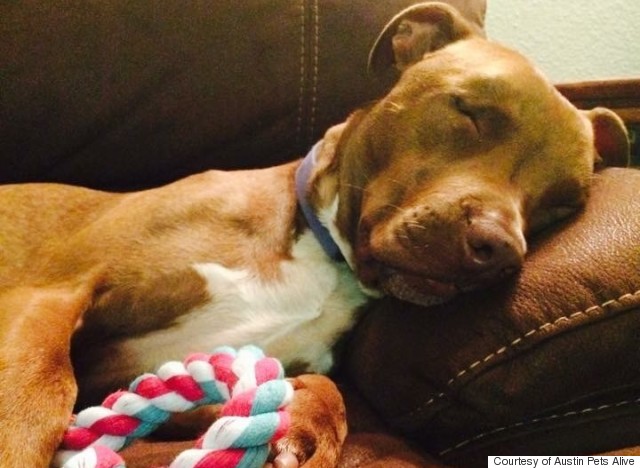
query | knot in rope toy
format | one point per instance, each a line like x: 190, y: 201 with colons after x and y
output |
x: 251, y: 386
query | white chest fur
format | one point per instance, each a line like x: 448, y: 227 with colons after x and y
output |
x: 296, y: 317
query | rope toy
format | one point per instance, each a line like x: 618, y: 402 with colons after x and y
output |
x: 251, y: 386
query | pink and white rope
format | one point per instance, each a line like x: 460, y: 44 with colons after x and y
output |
x: 251, y: 387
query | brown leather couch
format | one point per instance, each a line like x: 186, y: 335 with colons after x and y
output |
x: 125, y: 94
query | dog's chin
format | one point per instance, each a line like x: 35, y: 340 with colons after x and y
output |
x: 418, y: 290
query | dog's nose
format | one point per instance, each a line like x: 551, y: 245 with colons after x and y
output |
x: 492, y: 248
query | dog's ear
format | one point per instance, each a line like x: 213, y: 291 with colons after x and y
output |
x: 324, y: 178
x: 610, y: 137
x: 415, y: 31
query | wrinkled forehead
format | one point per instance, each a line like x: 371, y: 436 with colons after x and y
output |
x: 481, y: 66
x: 495, y: 76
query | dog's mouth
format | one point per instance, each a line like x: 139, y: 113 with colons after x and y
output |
x: 404, y: 283
x: 417, y: 288
x: 411, y: 286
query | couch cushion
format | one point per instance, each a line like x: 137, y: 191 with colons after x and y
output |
x: 546, y: 363
x: 126, y: 94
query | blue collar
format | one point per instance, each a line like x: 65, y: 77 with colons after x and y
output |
x: 319, y: 230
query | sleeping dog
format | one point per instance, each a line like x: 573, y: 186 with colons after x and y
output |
x: 427, y: 193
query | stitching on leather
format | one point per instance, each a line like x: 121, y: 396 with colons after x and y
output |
x: 316, y: 53
x: 515, y: 342
x: 302, y: 70
x: 532, y: 422
x: 534, y: 331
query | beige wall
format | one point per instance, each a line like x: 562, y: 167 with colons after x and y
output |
x: 571, y: 39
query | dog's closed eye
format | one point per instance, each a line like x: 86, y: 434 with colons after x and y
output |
x: 463, y: 108
x: 466, y: 127
x: 489, y: 121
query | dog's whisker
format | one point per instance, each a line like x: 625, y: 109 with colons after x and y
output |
x: 372, y: 194
x: 400, y: 183
x: 396, y: 207
x: 357, y: 187
x: 393, y: 107
x: 416, y: 225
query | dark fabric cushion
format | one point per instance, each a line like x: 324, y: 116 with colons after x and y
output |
x: 128, y: 94
x: 546, y: 363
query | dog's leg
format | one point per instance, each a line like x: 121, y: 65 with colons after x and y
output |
x: 318, y: 425
x: 37, y: 387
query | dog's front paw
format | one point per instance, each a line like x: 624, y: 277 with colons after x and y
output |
x: 318, y: 426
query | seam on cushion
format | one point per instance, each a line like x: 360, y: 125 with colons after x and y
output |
x: 316, y: 53
x: 524, y: 424
x: 534, y: 331
x: 309, y: 72
x: 302, y: 70
x: 520, y: 339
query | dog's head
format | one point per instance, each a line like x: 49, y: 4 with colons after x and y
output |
x: 433, y: 189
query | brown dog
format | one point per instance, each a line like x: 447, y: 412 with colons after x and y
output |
x: 428, y: 192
